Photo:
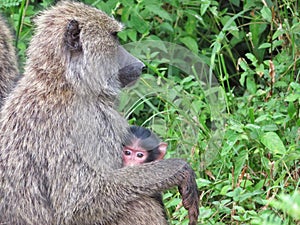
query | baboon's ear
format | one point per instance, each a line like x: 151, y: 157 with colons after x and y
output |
x: 72, y: 36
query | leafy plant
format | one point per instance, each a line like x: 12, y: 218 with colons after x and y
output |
x: 227, y: 100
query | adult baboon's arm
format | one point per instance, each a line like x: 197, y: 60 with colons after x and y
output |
x: 154, y: 177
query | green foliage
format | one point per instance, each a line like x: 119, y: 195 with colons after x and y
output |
x: 241, y: 134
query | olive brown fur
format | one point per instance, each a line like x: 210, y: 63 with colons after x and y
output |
x: 61, y: 138
x: 8, y: 62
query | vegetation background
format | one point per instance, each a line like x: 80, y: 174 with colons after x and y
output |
x: 242, y: 135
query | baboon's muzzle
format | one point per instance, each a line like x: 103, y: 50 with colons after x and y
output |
x: 130, y: 68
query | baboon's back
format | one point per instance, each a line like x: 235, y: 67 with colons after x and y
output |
x: 58, y: 129
x: 61, y: 138
x: 8, y: 61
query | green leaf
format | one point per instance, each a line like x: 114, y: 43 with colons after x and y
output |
x: 191, y: 25
x: 296, y: 28
x: 273, y: 142
x: 203, y: 182
x: 235, y: 2
x: 204, y: 6
x: 277, y: 43
x: 225, y: 189
x: 139, y: 23
x: 266, y: 13
x: 243, y: 64
x: 251, y: 85
x: 277, y: 33
x: 190, y: 43
x: 159, y: 11
x: 251, y: 57
x: 166, y: 27
x: 295, y: 86
x: 292, y: 97
x: 265, y: 45
x: 256, y: 29
x: 240, y: 162
x: 132, y: 34
x: 291, y: 110
x: 231, y: 139
x: 242, y: 78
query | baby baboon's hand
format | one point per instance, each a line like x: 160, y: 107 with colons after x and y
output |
x: 189, y: 192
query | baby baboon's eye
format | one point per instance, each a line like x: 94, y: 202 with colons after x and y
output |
x: 126, y: 152
x: 140, y: 155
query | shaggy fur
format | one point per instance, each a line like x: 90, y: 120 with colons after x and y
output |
x: 8, y: 62
x: 61, y: 138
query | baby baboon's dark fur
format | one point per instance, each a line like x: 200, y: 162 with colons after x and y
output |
x: 8, y: 62
x: 53, y: 167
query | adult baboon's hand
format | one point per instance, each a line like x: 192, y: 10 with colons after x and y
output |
x: 189, y: 192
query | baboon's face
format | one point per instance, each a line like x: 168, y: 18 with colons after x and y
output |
x: 95, y: 41
x: 83, y: 41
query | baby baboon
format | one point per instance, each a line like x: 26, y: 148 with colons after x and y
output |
x: 8, y: 62
x: 142, y: 146
x: 53, y: 168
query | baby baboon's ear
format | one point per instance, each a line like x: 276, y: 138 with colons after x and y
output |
x: 72, y: 36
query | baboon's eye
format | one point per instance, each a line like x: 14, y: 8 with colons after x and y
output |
x: 140, y: 155
x: 115, y: 34
x: 126, y: 152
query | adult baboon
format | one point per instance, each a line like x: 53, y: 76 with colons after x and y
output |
x: 53, y: 168
x: 8, y: 62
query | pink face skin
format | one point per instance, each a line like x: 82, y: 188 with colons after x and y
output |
x: 135, y: 155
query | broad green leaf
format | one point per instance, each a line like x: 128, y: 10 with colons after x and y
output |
x: 296, y: 28
x: 166, y: 27
x: 273, y: 142
x: 132, y: 34
x: 257, y: 28
x: 203, y: 182
x: 251, y: 85
x: 265, y: 45
x: 122, y: 35
x: 278, y: 33
x: 173, y: 202
x: 139, y: 23
x: 295, y: 86
x: 296, y: 94
x: 225, y: 189
x: 291, y: 110
x: 204, y: 6
x: 277, y: 43
x: 242, y: 78
x: 243, y: 64
x: 292, y: 97
x: 266, y: 13
x: 251, y: 57
x: 159, y: 11
x: 231, y: 139
x: 240, y: 162
x: 270, y: 127
x: 235, y: 2
x: 190, y: 43
x: 191, y: 25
